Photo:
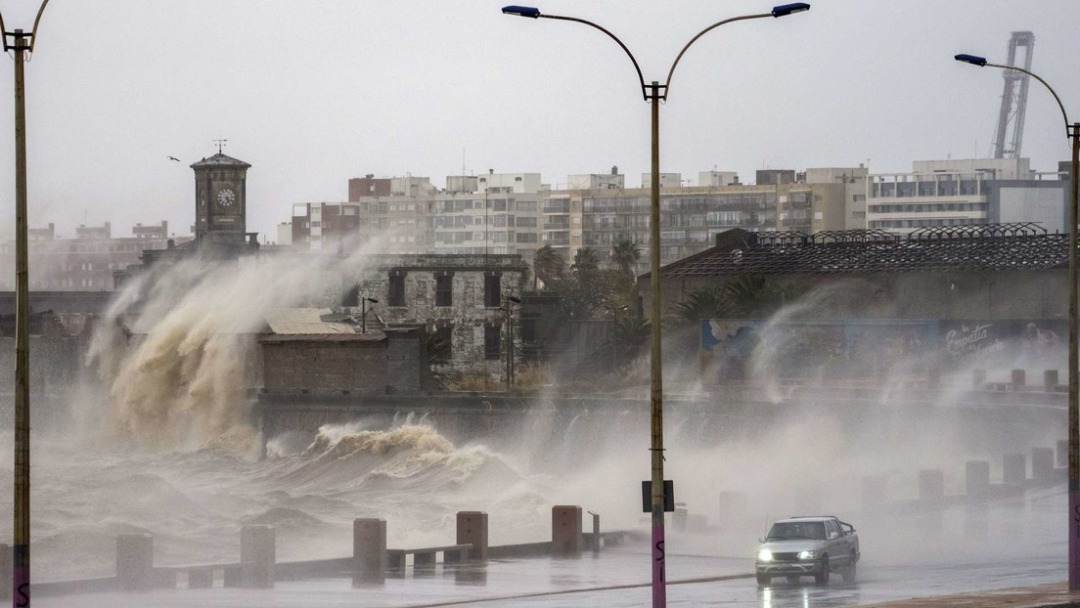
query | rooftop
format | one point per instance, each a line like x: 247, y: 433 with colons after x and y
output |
x: 1022, y: 246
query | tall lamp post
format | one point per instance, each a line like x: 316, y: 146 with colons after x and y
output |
x: 654, y: 93
x: 363, y: 313
x: 509, y: 305
x: 21, y: 43
x: 1072, y: 130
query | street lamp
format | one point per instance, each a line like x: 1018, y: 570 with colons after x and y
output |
x: 22, y: 43
x: 363, y: 313
x: 655, y: 93
x: 1072, y: 130
x: 508, y: 306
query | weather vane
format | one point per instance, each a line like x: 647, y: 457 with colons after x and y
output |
x: 220, y: 144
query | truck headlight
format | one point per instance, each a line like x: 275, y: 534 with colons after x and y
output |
x: 764, y: 555
x: 807, y: 555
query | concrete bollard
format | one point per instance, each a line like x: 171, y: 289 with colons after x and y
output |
x: 135, y: 562
x: 1063, y: 453
x: 200, y: 578
x: 932, y: 485
x: 978, y: 379
x: 472, y: 529
x: 1042, y: 463
x: 566, y: 530
x: 977, y: 479
x: 733, y: 509
x: 232, y: 576
x: 257, y: 557
x: 1018, y: 380
x: 1014, y: 469
x: 5, y: 572
x: 1050, y: 379
x: 874, y: 494
x: 369, y: 551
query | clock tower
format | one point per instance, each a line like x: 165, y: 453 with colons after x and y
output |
x: 220, y: 202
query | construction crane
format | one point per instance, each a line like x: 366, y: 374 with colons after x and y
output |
x: 1014, y: 99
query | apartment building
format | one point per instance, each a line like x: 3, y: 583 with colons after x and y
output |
x: 941, y: 193
x: 515, y: 213
x: 83, y: 263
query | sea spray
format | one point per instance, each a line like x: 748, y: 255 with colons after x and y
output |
x: 177, y: 350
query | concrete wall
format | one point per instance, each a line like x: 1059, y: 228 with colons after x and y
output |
x: 352, y: 363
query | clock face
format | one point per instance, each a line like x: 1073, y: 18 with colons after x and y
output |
x: 226, y: 197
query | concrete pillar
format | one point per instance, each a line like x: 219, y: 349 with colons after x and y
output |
x: 200, y: 578
x: 1063, y: 453
x: 232, y: 576
x: 1050, y: 379
x: 595, y: 532
x: 135, y: 562
x: 977, y: 480
x: 932, y: 485
x: 978, y: 379
x: 5, y: 572
x: 1042, y: 463
x: 1018, y: 380
x: 875, y: 494
x: 566, y: 530
x: 257, y: 556
x: 1014, y: 469
x: 472, y: 529
x: 424, y: 563
x: 733, y: 509
x: 369, y: 551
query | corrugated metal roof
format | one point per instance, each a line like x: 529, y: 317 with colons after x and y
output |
x: 984, y: 247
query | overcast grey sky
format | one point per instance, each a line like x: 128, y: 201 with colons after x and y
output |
x: 313, y: 92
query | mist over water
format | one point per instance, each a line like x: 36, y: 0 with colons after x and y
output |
x: 162, y: 441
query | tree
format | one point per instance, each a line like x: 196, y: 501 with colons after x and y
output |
x: 548, y: 266
x: 586, y: 261
x: 626, y: 254
x: 628, y: 340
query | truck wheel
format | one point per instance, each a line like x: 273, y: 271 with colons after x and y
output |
x: 821, y: 577
x: 849, y: 571
x: 763, y: 579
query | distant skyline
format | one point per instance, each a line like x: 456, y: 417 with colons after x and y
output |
x: 314, y: 93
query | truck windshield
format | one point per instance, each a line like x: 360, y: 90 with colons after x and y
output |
x: 792, y: 530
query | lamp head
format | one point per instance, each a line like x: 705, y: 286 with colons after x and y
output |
x: 972, y: 59
x: 513, y: 299
x: 786, y: 9
x: 521, y: 11
x: 372, y: 300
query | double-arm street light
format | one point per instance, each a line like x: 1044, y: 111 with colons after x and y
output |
x: 1072, y: 130
x: 21, y: 43
x: 654, y: 93
x: 508, y: 306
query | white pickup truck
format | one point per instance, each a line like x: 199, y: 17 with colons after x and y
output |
x: 808, y: 546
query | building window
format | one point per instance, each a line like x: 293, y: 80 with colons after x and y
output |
x: 492, y: 289
x: 396, y: 291
x: 444, y: 289
x: 492, y: 342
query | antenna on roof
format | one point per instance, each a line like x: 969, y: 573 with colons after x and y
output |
x: 220, y: 144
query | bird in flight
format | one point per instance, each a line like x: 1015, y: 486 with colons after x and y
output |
x: 174, y: 158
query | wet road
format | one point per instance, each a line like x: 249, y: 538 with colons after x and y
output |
x: 1011, y: 543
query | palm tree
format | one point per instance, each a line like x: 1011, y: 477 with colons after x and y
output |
x: 586, y: 261
x: 548, y: 266
x: 626, y: 255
